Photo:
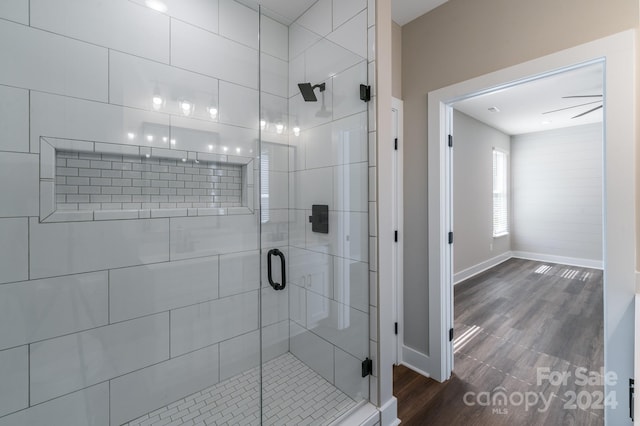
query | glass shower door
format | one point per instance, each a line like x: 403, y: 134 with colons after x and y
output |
x: 314, y: 214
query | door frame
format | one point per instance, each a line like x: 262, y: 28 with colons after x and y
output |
x: 617, y: 53
x: 397, y: 215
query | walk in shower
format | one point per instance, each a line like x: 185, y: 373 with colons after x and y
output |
x: 184, y: 238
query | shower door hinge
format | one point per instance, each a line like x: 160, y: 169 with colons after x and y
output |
x: 451, y: 334
x: 365, y: 92
x: 395, y: 144
x: 631, y: 395
x: 395, y: 236
x: 450, y: 237
x: 367, y: 367
x: 450, y: 141
x: 395, y: 328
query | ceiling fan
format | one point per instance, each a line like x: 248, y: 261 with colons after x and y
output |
x: 581, y: 105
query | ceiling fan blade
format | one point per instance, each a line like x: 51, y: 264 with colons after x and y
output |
x: 575, y: 106
x: 587, y: 112
x: 582, y: 96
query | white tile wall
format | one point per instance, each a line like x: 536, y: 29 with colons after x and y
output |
x: 92, y: 246
x: 318, y: 18
x: 40, y: 60
x: 273, y: 75
x: 68, y: 363
x: 140, y: 30
x: 19, y: 185
x: 343, y: 10
x: 209, y: 236
x: 352, y: 35
x: 275, y: 340
x: 15, y: 10
x: 14, y: 118
x: 143, y: 290
x: 14, y: 386
x: 207, y: 323
x: 275, y: 305
x: 349, y: 376
x: 298, y: 304
x: 42, y: 309
x: 274, y: 38
x: 134, y: 82
x: 312, y: 350
x: 153, y: 387
x: 240, y: 65
x: 326, y: 59
x: 300, y: 39
x: 239, y: 354
x: 14, y: 246
x: 351, y: 281
x: 350, y: 187
x: 239, y: 273
x: 346, y: 88
x: 239, y: 23
x: 238, y: 105
x: 208, y: 136
x: 312, y: 270
x: 70, y: 118
x: 201, y: 13
x: 87, y: 407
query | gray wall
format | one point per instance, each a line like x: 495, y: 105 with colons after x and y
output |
x: 557, y: 192
x: 472, y: 192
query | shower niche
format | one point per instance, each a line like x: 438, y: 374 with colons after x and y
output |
x: 84, y: 181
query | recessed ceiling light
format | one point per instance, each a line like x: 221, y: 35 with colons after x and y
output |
x: 494, y: 109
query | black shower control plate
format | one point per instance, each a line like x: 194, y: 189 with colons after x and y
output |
x: 319, y: 218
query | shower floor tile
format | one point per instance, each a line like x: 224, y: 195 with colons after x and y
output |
x: 293, y: 395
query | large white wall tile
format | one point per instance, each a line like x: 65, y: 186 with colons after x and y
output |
x: 39, y: 60
x: 273, y: 75
x: 211, y: 235
x: 239, y: 23
x: 275, y: 231
x: 14, y: 246
x: 88, y: 407
x: 346, y: 88
x: 15, y: 10
x: 135, y: 82
x: 349, y: 376
x: 312, y: 270
x: 339, y: 324
x: 298, y: 304
x: 116, y: 24
x: 240, y: 64
x: 275, y: 340
x: 14, y: 119
x: 240, y: 354
x: 67, y: 248
x: 274, y: 38
x: 331, y: 243
x: 201, y: 13
x: 351, y: 283
x: 313, y: 186
x: 318, y: 18
x: 275, y: 157
x: 143, y: 290
x: 312, y: 114
x: 350, y: 187
x: 342, y: 141
x: 275, y: 305
x: 69, y: 118
x: 208, y: 136
x: 277, y: 189
x: 356, y: 231
x: 300, y: 38
x: 353, y: 35
x: 143, y: 391
x: 239, y: 273
x: 41, y: 309
x: 72, y: 362
x: 239, y: 105
x: 343, y: 10
x: 14, y: 386
x: 326, y: 59
x: 204, y: 324
x: 314, y: 351
x: 19, y: 185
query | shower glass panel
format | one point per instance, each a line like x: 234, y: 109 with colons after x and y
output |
x: 314, y: 212
x: 154, y: 155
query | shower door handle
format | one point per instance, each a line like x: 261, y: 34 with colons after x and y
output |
x: 276, y: 286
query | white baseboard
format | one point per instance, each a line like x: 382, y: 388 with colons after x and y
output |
x: 480, y: 267
x: 563, y: 260
x: 416, y: 361
x: 389, y: 413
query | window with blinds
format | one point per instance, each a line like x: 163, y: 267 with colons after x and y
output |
x: 500, y: 194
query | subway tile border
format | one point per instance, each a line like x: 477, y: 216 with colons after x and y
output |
x: 48, y: 208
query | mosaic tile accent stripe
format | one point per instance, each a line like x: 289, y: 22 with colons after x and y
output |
x: 293, y: 395
x: 92, y: 181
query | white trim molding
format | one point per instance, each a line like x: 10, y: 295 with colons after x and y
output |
x: 563, y: 260
x: 474, y: 270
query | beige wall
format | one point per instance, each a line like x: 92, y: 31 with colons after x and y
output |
x: 460, y: 40
x: 396, y: 52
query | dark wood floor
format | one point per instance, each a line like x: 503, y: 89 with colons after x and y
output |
x: 520, y: 318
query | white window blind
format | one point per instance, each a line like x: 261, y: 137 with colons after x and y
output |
x: 500, y: 195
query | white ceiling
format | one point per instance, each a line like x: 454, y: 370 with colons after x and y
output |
x: 405, y: 11
x: 522, y: 106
